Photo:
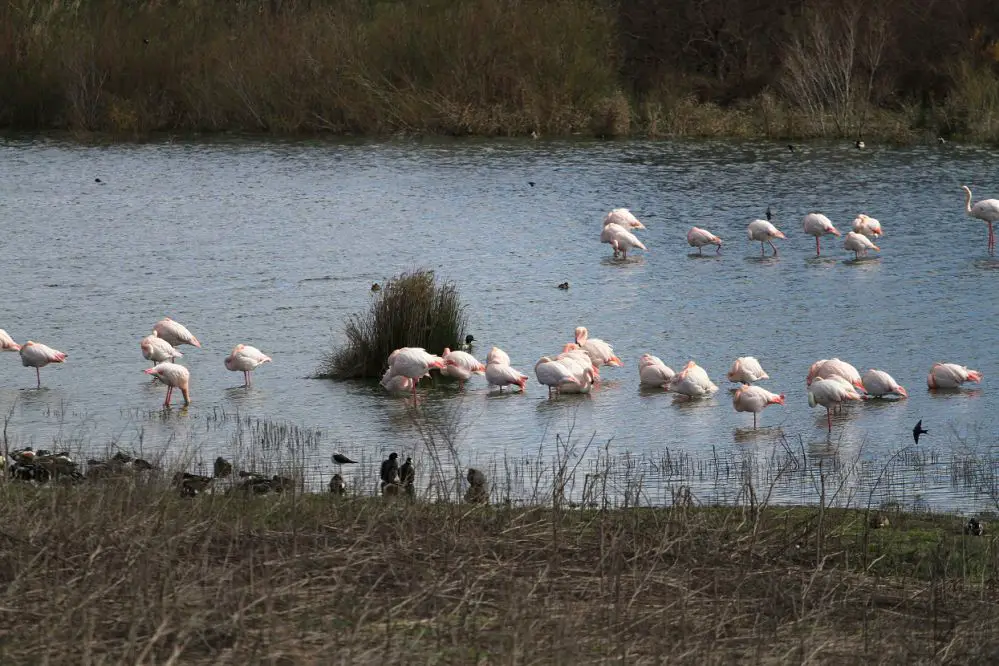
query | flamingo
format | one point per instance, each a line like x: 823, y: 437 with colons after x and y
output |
x: 156, y: 349
x: 858, y: 243
x: 746, y: 370
x: 830, y: 393
x: 692, y: 382
x: 764, y: 231
x: 411, y: 362
x: 879, y: 383
x: 573, y: 351
x: 7, y: 343
x: 951, y: 375
x: 623, y: 217
x: 652, y: 372
x: 818, y: 225
x: 36, y: 355
x: 867, y: 226
x: 553, y: 374
x: 497, y: 355
x: 175, y: 333
x: 599, y: 351
x: 986, y: 210
x: 501, y: 374
x: 698, y: 238
x: 460, y: 365
x: 581, y: 367
x: 620, y: 239
x: 174, y: 376
x: 754, y: 399
x: 396, y: 383
x: 830, y: 367
x: 245, y: 359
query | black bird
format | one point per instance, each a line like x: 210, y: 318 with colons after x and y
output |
x: 376, y: 287
x: 770, y: 213
x: 390, y: 469
x: 564, y: 286
x: 337, y: 485
x: 469, y: 339
x: 407, y: 475
x: 223, y: 468
x: 918, y: 430
x: 790, y: 148
x: 98, y: 180
x: 341, y: 459
x: 974, y: 527
x: 531, y: 183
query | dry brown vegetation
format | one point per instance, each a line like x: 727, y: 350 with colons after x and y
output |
x: 128, y: 572
x: 901, y: 69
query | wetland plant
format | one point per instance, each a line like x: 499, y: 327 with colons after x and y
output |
x: 412, y: 310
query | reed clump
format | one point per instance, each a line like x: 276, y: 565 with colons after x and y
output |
x: 411, y: 310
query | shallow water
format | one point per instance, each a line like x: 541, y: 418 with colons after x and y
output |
x: 274, y: 244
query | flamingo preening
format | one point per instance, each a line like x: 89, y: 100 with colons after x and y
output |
x: 156, y: 349
x: 818, y: 225
x: 174, y: 376
x: 951, y: 375
x: 830, y: 393
x: 879, y: 383
x: 411, y: 363
x: 764, y: 232
x: 7, y: 343
x: 858, y: 244
x: 754, y: 399
x: 175, y: 333
x: 746, y: 370
x: 36, y: 355
x: 245, y: 359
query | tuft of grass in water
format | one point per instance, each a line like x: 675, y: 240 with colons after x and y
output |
x: 411, y: 310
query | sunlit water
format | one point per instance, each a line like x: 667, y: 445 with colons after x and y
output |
x: 274, y: 244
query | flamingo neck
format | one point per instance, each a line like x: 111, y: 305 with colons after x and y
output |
x: 967, y: 201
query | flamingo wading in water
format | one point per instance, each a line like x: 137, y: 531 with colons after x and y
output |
x: 830, y: 393
x: 245, y: 359
x: 879, y: 383
x: 818, y: 225
x: 746, y: 370
x: 698, y: 238
x: 986, y: 210
x: 156, y: 349
x: 867, y: 225
x: 764, y: 232
x: 412, y: 363
x: 460, y: 365
x: 174, y: 376
x: 175, y: 333
x: 858, y: 244
x: 950, y: 376
x: 7, y: 343
x: 599, y: 351
x: 620, y: 239
x: 36, y: 355
x: 754, y: 399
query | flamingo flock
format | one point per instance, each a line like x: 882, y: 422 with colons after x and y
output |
x: 620, y: 223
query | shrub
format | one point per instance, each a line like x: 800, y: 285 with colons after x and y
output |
x: 412, y: 310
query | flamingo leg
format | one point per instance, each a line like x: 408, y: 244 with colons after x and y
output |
x: 718, y: 251
x: 166, y: 402
x: 775, y: 247
x: 699, y: 248
x: 38, y: 376
x: 763, y: 249
x: 246, y: 378
x: 992, y: 239
x: 817, y: 251
x: 829, y: 419
x: 754, y: 420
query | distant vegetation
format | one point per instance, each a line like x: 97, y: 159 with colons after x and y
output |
x: 903, y: 70
x: 412, y: 310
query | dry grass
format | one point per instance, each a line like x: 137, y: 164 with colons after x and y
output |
x: 131, y: 573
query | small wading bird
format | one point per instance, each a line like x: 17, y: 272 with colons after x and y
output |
x: 918, y: 430
x: 986, y: 210
x: 36, y: 355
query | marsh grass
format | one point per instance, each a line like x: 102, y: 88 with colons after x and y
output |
x: 411, y: 310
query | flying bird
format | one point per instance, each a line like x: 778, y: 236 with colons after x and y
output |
x: 918, y: 430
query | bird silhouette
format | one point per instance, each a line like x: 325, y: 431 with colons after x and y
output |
x: 770, y: 213
x: 918, y: 430
x: 341, y: 459
x: 564, y: 286
x: 531, y: 183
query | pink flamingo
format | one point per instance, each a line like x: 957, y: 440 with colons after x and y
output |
x: 245, y: 359
x: 599, y: 351
x: 818, y: 225
x: 834, y: 366
x: 620, y: 239
x: 754, y: 399
x: 867, y: 226
x: 858, y: 244
x: 692, y: 382
x: 553, y: 374
x: 653, y: 372
x: 396, y: 383
x: 986, y: 210
x: 7, y: 343
x: 497, y: 355
x: 460, y: 365
x: 624, y: 218
x: 765, y: 232
x: 36, y: 355
x: 174, y: 376
x: 175, y: 333
x: 500, y: 374
x: 156, y: 349
x: 951, y: 375
x: 698, y: 238
x: 746, y: 370
x: 830, y: 393
x: 879, y: 383
x: 581, y: 367
x: 411, y: 362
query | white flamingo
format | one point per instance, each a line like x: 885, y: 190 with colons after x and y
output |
x: 174, y: 376
x: 951, y: 375
x: 830, y: 393
x: 867, y: 226
x: 36, y: 355
x: 245, y: 359
x: 692, y: 382
x: 175, y: 333
x: 746, y: 370
x: 156, y: 349
x: 7, y: 343
x: 552, y: 373
x: 581, y: 367
x: 497, y: 355
x: 623, y: 217
x: 764, y: 232
x: 698, y: 238
x: 461, y: 365
x: 411, y: 362
x: 396, y: 383
x: 879, y: 383
x: 986, y: 210
x: 573, y: 351
x: 653, y: 372
x: 833, y: 366
x: 818, y: 225
x: 599, y: 351
x: 754, y: 399
x: 620, y: 239
x: 858, y: 244
x: 501, y: 374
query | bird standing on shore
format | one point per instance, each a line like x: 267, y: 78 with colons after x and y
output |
x: 390, y: 474
x: 222, y: 468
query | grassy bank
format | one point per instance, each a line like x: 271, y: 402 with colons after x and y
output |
x: 503, y: 67
x: 130, y: 572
